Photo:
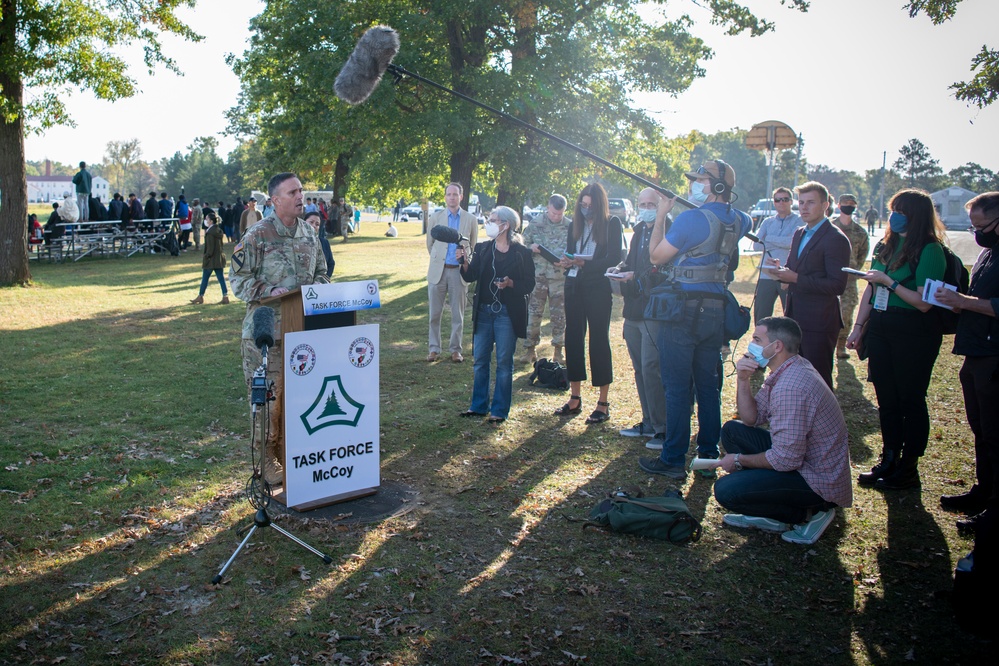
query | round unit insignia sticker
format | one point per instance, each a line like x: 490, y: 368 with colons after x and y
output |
x: 303, y: 359
x: 362, y: 350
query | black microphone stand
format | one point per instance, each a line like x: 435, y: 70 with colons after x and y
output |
x: 398, y: 72
x: 258, y: 490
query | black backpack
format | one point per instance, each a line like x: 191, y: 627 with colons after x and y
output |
x: 955, y: 274
x: 549, y: 374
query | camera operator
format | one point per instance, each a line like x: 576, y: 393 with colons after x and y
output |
x: 275, y: 256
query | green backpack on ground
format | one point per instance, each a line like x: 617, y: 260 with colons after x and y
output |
x: 663, y: 518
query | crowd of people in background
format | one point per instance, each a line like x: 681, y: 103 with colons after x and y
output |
x: 674, y: 278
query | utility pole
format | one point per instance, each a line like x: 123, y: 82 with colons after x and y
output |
x: 881, y: 205
x: 797, y: 162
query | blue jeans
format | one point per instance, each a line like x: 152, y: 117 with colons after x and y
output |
x: 767, y: 493
x: 493, y: 328
x: 205, y: 274
x: 688, y: 354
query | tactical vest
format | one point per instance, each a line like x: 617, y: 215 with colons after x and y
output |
x: 722, y: 239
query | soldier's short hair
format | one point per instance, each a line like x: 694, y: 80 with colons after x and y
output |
x: 557, y: 201
x: 276, y: 181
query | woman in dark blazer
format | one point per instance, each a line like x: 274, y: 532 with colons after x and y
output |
x: 504, y: 270
x: 214, y: 259
x: 597, y: 235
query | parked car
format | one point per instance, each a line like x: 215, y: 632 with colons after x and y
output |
x: 624, y: 210
x: 414, y: 211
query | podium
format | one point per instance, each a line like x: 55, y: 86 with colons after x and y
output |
x: 329, y: 371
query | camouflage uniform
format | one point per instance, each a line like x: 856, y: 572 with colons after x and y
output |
x: 860, y: 245
x: 549, y: 279
x: 272, y: 255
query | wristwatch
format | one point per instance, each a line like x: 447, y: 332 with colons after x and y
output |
x: 738, y: 465
x: 893, y: 287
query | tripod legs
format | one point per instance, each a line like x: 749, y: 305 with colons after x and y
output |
x: 261, y: 519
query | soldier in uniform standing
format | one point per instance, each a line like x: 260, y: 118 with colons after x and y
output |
x: 276, y: 255
x: 860, y: 245
x: 548, y: 229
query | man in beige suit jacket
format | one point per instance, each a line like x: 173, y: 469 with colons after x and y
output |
x: 443, y: 275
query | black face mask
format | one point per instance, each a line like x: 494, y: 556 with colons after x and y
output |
x: 987, y: 239
x: 847, y: 210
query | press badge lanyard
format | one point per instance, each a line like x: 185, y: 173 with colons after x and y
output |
x: 579, y: 250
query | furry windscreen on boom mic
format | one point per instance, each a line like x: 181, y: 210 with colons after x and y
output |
x: 446, y: 234
x: 263, y: 327
x: 372, y: 55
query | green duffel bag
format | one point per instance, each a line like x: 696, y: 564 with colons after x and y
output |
x: 663, y: 518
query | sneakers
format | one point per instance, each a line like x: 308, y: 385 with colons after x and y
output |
x: 754, y: 522
x: 637, y: 430
x: 809, y: 532
x: 656, y: 443
x: 657, y: 466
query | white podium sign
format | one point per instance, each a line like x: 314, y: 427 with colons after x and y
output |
x: 331, y: 413
x: 340, y: 297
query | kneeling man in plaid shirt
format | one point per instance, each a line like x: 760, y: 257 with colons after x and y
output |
x: 790, y: 478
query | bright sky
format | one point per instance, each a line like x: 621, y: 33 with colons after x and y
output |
x: 876, y: 79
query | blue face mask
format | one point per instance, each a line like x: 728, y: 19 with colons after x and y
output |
x: 646, y: 215
x: 698, y: 193
x: 898, y: 222
x: 584, y: 211
x: 756, y: 351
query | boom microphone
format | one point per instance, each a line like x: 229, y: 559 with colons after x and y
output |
x: 373, y: 56
x: 364, y: 69
x: 263, y: 327
x: 446, y: 234
x: 753, y: 237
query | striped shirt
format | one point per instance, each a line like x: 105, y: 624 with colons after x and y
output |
x: 807, y: 429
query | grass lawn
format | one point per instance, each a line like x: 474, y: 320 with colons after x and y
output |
x: 124, y: 454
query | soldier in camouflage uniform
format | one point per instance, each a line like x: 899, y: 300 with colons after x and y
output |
x: 860, y: 245
x: 276, y: 255
x: 548, y: 229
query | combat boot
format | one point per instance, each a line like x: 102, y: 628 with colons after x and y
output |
x: 559, y: 358
x: 885, y: 466
x: 530, y: 356
x: 905, y: 475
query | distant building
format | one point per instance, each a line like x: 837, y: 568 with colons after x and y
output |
x: 47, y: 188
x: 949, y: 203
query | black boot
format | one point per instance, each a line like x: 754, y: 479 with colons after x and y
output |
x: 905, y: 475
x: 886, y: 465
x: 972, y: 502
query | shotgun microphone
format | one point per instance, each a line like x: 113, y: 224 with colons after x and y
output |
x: 446, y: 234
x: 263, y: 327
x: 364, y: 69
x: 753, y: 237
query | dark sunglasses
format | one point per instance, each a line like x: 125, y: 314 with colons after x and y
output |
x: 782, y: 199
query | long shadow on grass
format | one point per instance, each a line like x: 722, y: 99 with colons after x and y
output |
x: 901, y: 619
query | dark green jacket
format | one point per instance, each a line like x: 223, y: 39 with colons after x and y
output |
x: 214, y: 255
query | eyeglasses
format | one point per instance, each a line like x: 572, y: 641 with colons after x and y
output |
x: 972, y: 229
x: 782, y: 199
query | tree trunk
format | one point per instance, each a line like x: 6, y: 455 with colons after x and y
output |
x: 462, y: 164
x: 13, y: 191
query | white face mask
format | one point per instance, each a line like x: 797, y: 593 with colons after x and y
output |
x: 698, y: 192
x: 492, y: 229
x: 646, y: 215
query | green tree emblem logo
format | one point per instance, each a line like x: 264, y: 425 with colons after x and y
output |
x: 333, y: 406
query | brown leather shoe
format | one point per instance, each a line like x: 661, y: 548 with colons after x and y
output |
x: 432, y: 357
x: 224, y: 301
x: 197, y: 301
x: 456, y: 357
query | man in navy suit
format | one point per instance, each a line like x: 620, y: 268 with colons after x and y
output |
x: 815, y: 278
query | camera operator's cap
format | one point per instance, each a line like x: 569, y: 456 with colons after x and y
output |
x: 712, y: 169
x: 65, y: 194
x: 253, y: 199
x: 844, y: 198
